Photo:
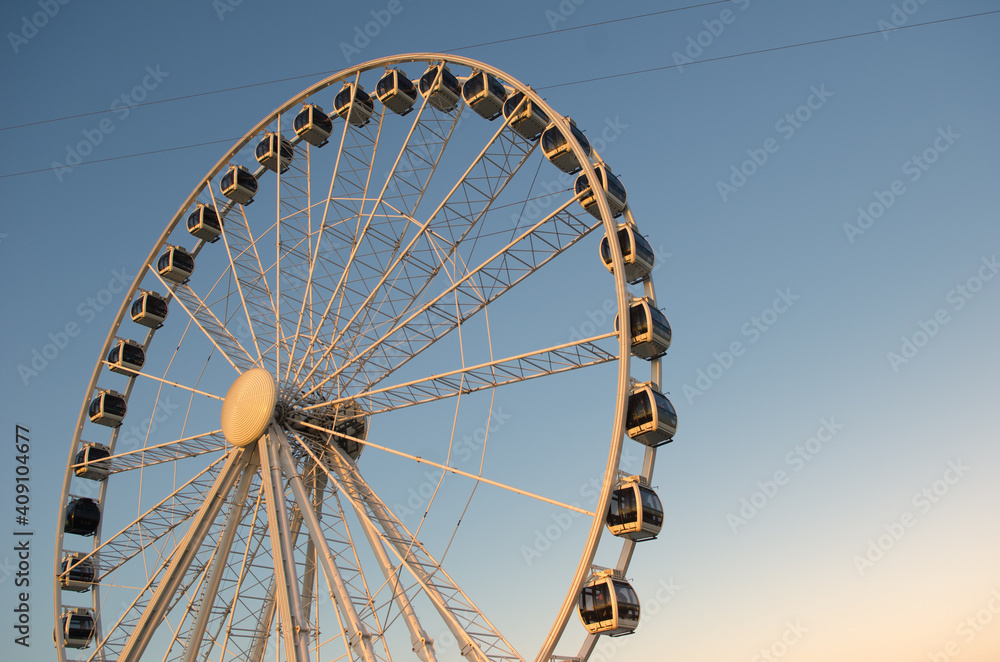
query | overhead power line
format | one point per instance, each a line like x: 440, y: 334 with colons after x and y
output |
x: 333, y: 71
x: 547, y: 87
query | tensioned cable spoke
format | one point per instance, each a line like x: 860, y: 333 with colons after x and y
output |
x: 139, y: 373
x: 444, y: 467
x: 251, y: 280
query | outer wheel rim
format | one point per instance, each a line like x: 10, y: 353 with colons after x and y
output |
x: 622, y: 295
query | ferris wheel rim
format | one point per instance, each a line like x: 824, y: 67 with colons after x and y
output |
x: 622, y: 294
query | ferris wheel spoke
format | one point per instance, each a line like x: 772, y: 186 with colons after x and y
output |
x: 391, y: 217
x: 184, y: 555
x: 412, y: 269
x: 478, y: 638
x: 138, y: 373
x: 337, y: 239
x: 256, y: 297
x: 398, y: 199
x: 512, y: 370
x: 520, y: 258
x: 203, y: 317
x: 153, y: 525
x: 170, y: 451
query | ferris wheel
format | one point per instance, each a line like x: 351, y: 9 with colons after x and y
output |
x: 371, y: 283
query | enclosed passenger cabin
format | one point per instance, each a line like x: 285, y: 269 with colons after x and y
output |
x: 608, y: 605
x: 524, y: 116
x: 614, y: 192
x: 396, y: 91
x: 92, y: 462
x: 440, y: 87
x: 313, y: 125
x: 636, y: 253
x: 204, y: 223
x: 126, y: 357
x: 107, y: 408
x: 175, y: 264
x: 77, y: 573
x: 649, y: 329
x: 78, y: 627
x: 651, y: 418
x: 354, y: 104
x: 485, y: 95
x: 239, y: 185
x: 274, y: 152
x: 83, y: 516
x: 149, y: 309
x: 557, y: 148
x: 635, y: 512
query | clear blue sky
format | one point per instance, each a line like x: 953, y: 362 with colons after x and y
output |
x: 826, y: 218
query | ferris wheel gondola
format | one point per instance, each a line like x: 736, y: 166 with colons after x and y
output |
x: 239, y: 185
x: 557, y: 148
x: 485, y: 95
x: 396, y: 91
x: 313, y: 125
x: 353, y: 104
x: 274, y: 152
x: 204, y: 223
x: 609, y: 605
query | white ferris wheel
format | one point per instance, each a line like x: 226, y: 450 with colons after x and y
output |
x: 252, y: 426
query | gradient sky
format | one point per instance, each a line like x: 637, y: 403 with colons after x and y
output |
x: 896, y: 127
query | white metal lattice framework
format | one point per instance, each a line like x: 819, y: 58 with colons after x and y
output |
x: 381, y: 254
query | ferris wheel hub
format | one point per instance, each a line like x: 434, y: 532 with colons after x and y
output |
x: 249, y: 407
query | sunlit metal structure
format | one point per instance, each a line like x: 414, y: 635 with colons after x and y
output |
x: 230, y: 509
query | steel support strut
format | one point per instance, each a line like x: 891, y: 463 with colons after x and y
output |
x: 358, y: 636
x: 183, y: 555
